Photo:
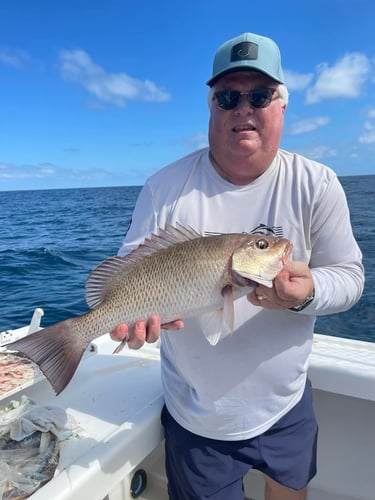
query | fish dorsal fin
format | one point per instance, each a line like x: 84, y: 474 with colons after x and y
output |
x: 164, y: 238
x: 100, y: 278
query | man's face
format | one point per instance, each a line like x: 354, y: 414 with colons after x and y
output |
x: 245, y: 132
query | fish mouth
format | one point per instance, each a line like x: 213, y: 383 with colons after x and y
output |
x: 287, y: 253
x: 242, y: 281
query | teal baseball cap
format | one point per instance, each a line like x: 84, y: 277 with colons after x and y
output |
x: 248, y: 52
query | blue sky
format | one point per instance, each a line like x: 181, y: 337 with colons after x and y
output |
x: 105, y: 93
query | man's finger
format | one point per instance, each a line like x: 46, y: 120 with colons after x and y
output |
x: 153, y: 329
x: 138, y: 335
x: 120, y: 332
x: 173, y: 325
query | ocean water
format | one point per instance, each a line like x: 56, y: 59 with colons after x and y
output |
x: 50, y: 241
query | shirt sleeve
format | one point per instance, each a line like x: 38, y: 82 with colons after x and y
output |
x: 336, y: 259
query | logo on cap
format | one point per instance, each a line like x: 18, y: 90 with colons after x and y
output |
x: 244, y: 51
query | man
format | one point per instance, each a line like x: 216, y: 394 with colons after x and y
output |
x: 246, y: 402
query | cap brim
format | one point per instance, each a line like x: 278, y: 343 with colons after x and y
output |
x: 217, y: 77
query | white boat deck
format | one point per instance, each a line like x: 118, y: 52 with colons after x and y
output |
x: 117, y: 401
x: 343, y: 366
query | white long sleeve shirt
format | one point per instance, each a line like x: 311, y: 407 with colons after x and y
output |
x: 240, y: 387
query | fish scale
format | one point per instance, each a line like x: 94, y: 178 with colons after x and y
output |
x: 176, y: 274
x: 186, y: 287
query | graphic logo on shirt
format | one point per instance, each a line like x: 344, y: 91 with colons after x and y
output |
x: 268, y: 230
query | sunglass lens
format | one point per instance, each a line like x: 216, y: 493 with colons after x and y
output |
x: 227, y: 99
x: 258, y: 98
x: 261, y: 98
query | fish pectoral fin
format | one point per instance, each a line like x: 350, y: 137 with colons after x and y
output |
x: 228, y: 308
x: 213, y: 326
x: 217, y: 325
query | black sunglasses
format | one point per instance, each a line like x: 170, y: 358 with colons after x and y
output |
x: 258, y: 98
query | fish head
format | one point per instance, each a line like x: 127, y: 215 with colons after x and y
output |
x: 259, y: 259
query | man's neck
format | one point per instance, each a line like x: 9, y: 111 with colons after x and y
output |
x: 237, y: 174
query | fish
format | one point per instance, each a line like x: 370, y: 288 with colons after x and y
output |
x: 26, y: 465
x: 177, y: 273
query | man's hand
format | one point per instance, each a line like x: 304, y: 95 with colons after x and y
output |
x: 143, y: 332
x: 290, y: 288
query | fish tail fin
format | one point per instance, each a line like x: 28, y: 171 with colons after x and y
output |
x: 55, y: 349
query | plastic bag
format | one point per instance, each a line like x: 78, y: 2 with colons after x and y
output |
x: 30, y: 438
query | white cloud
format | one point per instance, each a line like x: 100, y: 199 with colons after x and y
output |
x: 47, y: 171
x: 43, y: 170
x: 116, y: 88
x: 50, y: 176
x: 343, y: 79
x: 368, y: 136
x: 13, y: 57
x: 297, y: 81
x: 196, y: 141
x: 320, y: 153
x: 308, y: 125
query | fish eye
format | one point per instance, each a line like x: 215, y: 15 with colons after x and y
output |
x: 261, y: 244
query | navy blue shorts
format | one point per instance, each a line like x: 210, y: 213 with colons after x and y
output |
x: 200, y: 468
